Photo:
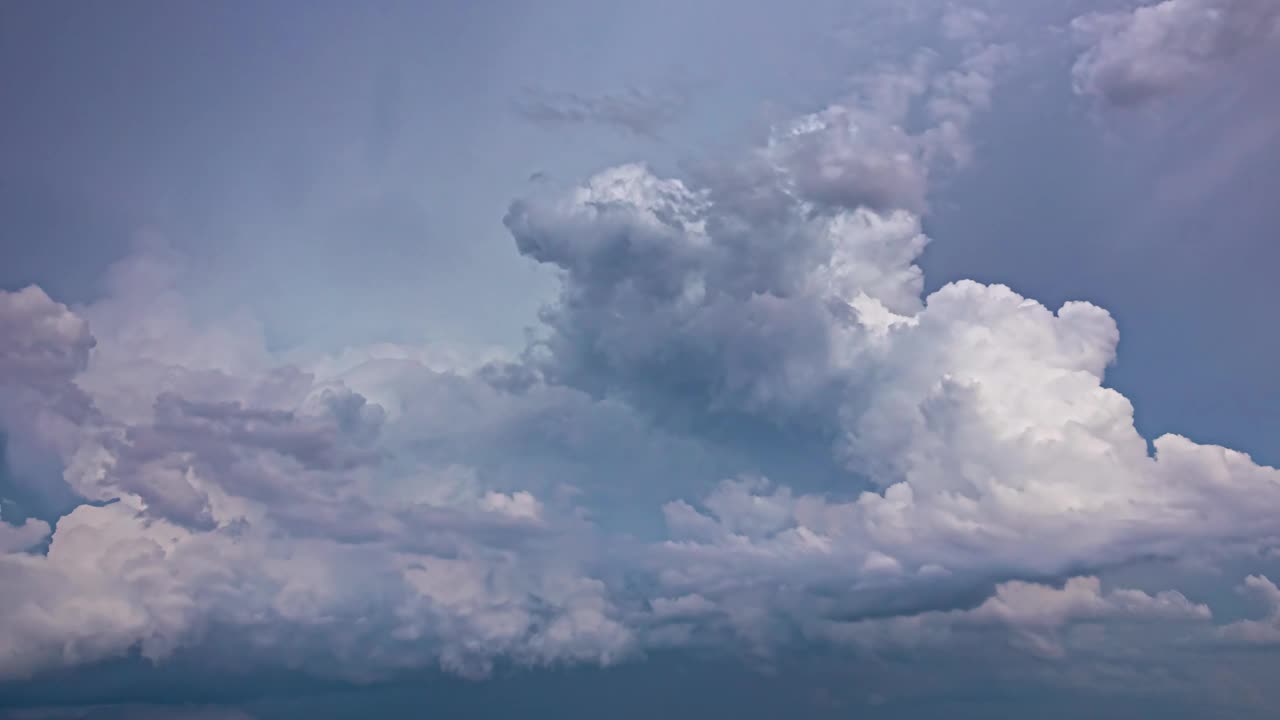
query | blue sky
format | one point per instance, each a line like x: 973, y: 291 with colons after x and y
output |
x: 477, y: 357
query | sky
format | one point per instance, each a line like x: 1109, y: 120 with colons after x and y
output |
x: 856, y: 359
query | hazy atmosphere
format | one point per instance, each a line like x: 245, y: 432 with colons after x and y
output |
x: 862, y: 359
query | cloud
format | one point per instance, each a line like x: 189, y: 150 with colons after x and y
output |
x: 255, y: 506
x: 1257, y: 632
x: 15, y: 538
x: 1024, y: 604
x: 664, y: 300
x: 742, y: 423
x: 1137, y: 56
x: 1031, y: 616
x: 974, y: 429
x: 846, y: 157
x: 643, y: 112
x: 46, y: 342
x: 45, y: 347
x: 872, y: 150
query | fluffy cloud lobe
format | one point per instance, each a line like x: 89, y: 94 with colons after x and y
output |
x: 1155, y: 50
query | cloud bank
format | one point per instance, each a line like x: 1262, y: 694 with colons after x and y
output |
x: 600, y: 495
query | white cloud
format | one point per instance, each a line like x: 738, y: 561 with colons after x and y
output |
x: 1031, y: 605
x: 847, y: 157
x: 260, y: 502
x: 981, y: 415
x: 1031, y: 616
x: 1257, y: 632
x: 1155, y: 50
x: 44, y: 347
x: 15, y: 538
x: 44, y: 340
x: 872, y: 150
x: 393, y: 507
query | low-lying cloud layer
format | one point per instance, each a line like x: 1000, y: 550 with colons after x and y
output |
x: 943, y: 469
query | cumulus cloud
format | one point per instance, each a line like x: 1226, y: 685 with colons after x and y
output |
x: 390, y: 508
x: 666, y: 300
x: 45, y: 342
x: 30, y: 533
x: 1257, y: 632
x: 259, y: 514
x: 1033, y: 617
x: 44, y: 347
x: 979, y: 416
x: 873, y: 150
x: 976, y: 432
x: 1139, y: 55
x: 1021, y: 603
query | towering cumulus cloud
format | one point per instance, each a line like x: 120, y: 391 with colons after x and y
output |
x: 966, y: 471
x: 976, y: 419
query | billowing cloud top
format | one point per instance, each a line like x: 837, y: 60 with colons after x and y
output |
x: 1155, y: 50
